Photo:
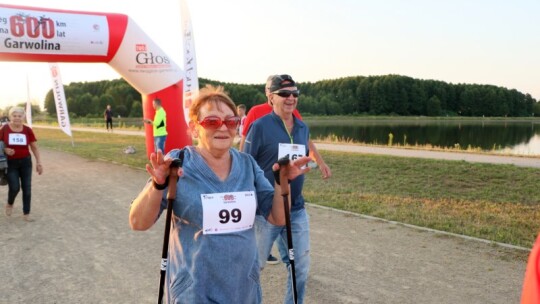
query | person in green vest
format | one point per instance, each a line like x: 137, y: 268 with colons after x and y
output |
x: 159, y: 125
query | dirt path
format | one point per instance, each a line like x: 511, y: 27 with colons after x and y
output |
x: 464, y: 156
x: 81, y: 250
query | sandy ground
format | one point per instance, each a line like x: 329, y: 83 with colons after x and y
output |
x: 80, y: 250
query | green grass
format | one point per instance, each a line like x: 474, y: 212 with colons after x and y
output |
x: 91, y: 145
x: 494, y: 202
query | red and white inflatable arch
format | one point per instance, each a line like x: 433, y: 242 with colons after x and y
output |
x: 48, y: 35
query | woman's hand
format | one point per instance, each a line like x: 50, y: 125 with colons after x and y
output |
x: 295, y: 168
x: 9, y: 151
x: 158, y: 167
x: 39, y: 168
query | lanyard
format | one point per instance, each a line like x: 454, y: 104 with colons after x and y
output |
x: 287, y: 130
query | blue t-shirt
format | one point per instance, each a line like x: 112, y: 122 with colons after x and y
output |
x: 262, y: 142
x: 213, y: 268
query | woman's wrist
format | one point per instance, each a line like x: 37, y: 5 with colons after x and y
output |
x: 160, y: 186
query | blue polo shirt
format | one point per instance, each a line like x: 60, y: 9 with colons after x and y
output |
x: 262, y: 142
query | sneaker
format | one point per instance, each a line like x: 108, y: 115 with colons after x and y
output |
x: 27, y: 218
x: 272, y: 260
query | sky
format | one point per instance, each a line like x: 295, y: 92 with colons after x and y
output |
x: 494, y: 42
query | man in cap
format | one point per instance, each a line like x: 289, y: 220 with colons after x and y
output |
x: 262, y: 109
x: 259, y: 111
x: 269, y: 138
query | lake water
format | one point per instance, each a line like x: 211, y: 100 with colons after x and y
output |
x: 515, y: 137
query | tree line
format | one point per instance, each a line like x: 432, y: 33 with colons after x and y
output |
x: 358, y: 95
x: 89, y: 99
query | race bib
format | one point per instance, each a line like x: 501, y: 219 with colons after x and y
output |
x: 295, y: 151
x: 17, y: 139
x: 228, y: 212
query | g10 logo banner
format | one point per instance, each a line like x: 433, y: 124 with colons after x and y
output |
x: 44, y: 32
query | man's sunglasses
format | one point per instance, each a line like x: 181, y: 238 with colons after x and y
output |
x: 287, y: 93
x: 214, y: 122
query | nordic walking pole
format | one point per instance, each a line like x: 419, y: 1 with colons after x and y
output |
x: 171, y: 196
x: 284, y: 183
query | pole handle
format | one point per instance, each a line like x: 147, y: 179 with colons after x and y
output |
x: 173, y: 179
x: 283, y: 173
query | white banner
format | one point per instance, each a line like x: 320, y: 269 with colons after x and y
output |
x: 43, y: 32
x: 142, y: 63
x: 191, y: 80
x: 60, y: 99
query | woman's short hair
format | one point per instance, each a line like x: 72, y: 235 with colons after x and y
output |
x: 210, y: 94
x: 16, y: 110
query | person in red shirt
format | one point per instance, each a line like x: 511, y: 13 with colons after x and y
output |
x: 19, y: 139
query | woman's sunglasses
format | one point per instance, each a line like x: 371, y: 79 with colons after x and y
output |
x: 287, y: 93
x: 214, y: 122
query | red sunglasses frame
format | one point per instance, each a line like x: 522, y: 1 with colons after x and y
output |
x: 215, y: 122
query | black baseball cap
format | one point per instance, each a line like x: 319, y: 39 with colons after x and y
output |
x: 280, y: 82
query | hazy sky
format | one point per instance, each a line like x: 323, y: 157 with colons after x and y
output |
x: 493, y: 42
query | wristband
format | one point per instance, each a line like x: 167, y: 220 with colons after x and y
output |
x: 160, y: 186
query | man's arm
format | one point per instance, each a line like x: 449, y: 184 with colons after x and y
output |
x: 314, y: 154
x: 250, y: 118
x: 242, y: 141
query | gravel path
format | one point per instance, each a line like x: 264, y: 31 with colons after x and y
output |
x: 459, y: 156
x: 81, y: 250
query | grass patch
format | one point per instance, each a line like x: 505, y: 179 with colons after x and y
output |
x: 493, y: 202
x: 500, y: 203
x: 92, y: 145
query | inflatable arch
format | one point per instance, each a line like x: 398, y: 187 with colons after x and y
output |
x: 48, y: 35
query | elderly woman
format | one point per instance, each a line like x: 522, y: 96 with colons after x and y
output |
x: 212, y: 253
x: 18, y: 140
